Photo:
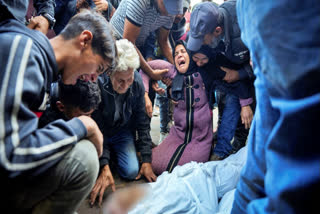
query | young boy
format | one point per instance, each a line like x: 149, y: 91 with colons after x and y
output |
x: 69, y: 101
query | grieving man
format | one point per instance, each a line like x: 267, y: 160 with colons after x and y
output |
x: 51, y: 169
x: 121, y: 114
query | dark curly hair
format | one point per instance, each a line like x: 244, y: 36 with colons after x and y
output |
x: 85, y: 95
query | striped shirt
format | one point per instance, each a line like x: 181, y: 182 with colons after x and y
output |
x: 141, y: 13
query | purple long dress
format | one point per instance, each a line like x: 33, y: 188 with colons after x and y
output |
x: 191, y: 136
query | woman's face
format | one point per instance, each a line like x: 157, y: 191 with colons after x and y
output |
x: 181, y: 58
x: 200, y: 59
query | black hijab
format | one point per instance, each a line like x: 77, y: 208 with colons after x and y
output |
x: 178, y: 83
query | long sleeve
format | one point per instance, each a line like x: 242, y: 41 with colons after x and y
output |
x: 105, y: 157
x: 145, y: 80
x: 97, y: 115
x: 142, y: 123
x: 24, y: 147
x: 157, y: 64
x: 161, y: 64
x: 243, y: 88
x: 44, y: 6
x: 246, y: 72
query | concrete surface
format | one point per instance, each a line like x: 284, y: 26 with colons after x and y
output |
x: 85, y: 208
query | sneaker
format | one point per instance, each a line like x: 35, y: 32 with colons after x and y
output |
x: 156, y: 111
x: 163, y: 135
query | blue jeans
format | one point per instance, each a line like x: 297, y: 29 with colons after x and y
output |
x: 228, y: 122
x: 282, y: 172
x: 122, y: 144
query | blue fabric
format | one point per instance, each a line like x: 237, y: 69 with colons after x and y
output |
x: 282, y: 170
x: 28, y: 69
x: 229, y: 121
x: 124, y: 149
x: 64, y: 10
x: 195, y: 188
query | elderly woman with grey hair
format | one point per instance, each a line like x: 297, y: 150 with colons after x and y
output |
x: 120, y: 114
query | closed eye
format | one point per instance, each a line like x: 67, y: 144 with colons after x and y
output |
x: 100, y: 69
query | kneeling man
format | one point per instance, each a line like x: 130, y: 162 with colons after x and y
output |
x: 120, y: 114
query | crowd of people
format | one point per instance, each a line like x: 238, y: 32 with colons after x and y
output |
x: 80, y: 79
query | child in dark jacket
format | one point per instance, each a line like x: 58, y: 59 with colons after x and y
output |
x: 68, y: 101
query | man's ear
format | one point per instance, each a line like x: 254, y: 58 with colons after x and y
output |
x: 60, y: 106
x: 85, y: 38
x: 217, y: 31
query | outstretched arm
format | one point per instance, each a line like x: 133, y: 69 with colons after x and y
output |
x: 131, y: 32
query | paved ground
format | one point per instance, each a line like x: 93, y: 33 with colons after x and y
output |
x: 85, y: 208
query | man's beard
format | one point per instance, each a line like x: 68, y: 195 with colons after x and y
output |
x: 215, y: 42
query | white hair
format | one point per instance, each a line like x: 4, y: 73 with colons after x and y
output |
x: 128, y: 57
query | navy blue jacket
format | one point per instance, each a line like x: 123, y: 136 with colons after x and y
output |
x: 28, y: 68
x: 232, y: 47
x: 241, y: 88
x: 230, y: 53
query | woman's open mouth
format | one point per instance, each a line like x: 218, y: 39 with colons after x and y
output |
x: 181, y: 62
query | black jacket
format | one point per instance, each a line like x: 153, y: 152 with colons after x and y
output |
x: 233, y: 48
x: 134, y: 117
